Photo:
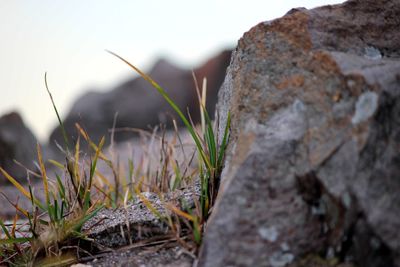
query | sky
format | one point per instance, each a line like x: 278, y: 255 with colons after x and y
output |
x: 67, y: 39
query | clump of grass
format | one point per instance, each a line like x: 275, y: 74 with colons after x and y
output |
x: 211, y: 154
x: 55, y: 223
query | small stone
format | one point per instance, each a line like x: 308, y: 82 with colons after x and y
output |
x: 280, y: 259
x: 366, y: 106
x: 241, y: 200
x: 285, y: 247
x: 351, y: 83
x: 318, y: 210
x: 373, y: 53
x: 269, y: 233
x: 298, y: 106
x: 346, y: 199
x: 330, y: 253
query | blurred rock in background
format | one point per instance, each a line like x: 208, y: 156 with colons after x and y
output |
x: 17, y: 143
x: 139, y: 105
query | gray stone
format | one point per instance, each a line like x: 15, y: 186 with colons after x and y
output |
x: 365, y: 107
x: 17, y: 143
x: 314, y: 150
x: 372, y: 53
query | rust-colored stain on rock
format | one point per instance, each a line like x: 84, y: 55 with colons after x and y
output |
x: 296, y: 80
x: 294, y: 28
x: 325, y: 62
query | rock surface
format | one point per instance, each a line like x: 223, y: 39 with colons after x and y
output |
x: 139, y: 105
x: 137, y: 236
x: 123, y: 226
x: 18, y: 143
x: 313, y: 163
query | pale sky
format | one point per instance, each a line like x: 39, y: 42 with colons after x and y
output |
x: 68, y: 38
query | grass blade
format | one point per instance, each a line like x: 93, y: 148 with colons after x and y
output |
x: 57, y: 164
x: 5, y: 230
x: 145, y: 201
x: 15, y: 240
x: 64, y: 133
x: 92, y: 172
x: 222, y: 147
x: 92, y: 144
x: 78, y: 225
x: 44, y: 175
x: 60, y: 186
x: 21, y: 188
x: 172, y: 104
x: 180, y: 212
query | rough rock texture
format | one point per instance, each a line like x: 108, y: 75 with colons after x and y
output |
x: 123, y: 226
x: 137, y: 237
x: 139, y: 105
x: 313, y: 164
x: 16, y: 143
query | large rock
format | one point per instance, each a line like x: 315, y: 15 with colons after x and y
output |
x: 313, y: 163
x: 17, y: 143
x: 139, y: 105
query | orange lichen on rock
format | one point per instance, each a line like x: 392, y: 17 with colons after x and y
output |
x: 326, y: 62
x: 296, y: 80
x: 294, y: 28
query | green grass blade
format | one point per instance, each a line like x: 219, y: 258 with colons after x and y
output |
x: 77, y: 227
x: 222, y: 147
x: 5, y: 230
x: 93, y: 166
x: 56, y: 213
x: 60, y: 186
x: 178, y: 176
x: 64, y: 133
x: 96, y: 157
x: 172, y: 104
x: 15, y: 240
x: 211, y: 141
x: 197, y: 232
